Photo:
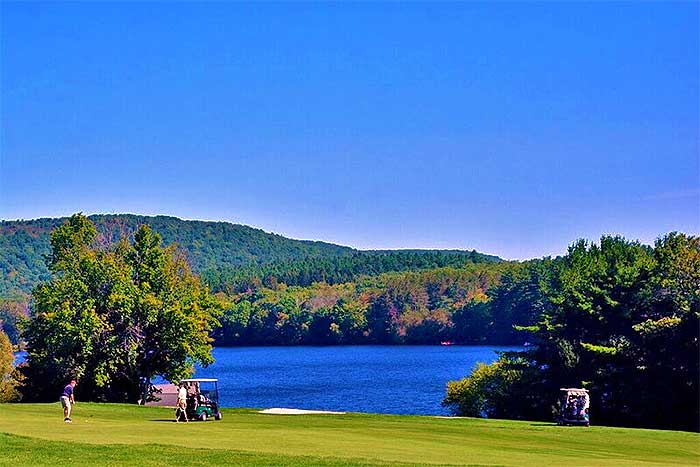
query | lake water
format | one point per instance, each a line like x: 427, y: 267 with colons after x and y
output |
x: 379, y: 379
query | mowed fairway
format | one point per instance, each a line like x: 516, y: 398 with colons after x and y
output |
x: 113, y: 434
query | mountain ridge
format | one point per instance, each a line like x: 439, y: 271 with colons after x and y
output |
x: 209, y: 245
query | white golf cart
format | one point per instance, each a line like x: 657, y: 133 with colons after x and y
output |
x: 574, y: 407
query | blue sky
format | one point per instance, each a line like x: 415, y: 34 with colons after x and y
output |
x: 511, y: 128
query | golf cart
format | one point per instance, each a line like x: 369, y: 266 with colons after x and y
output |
x: 574, y: 407
x: 202, y: 399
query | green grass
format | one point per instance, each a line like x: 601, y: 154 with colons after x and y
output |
x: 113, y: 434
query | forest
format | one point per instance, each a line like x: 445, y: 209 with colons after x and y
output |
x: 24, y: 245
x: 230, y: 257
x: 237, y: 262
x: 416, y: 307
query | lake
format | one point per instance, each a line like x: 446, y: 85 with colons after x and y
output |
x: 401, y: 379
x: 380, y: 379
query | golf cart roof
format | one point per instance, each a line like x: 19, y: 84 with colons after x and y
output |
x: 575, y: 390
x: 199, y: 380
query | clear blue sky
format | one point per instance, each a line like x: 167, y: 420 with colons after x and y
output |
x: 510, y: 128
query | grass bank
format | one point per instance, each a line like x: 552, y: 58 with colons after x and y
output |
x: 113, y: 434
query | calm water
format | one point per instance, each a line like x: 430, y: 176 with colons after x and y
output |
x: 380, y: 379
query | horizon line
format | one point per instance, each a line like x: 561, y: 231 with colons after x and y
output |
x: 421, y: 248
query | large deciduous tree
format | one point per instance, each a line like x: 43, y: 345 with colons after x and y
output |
x: 114, y: 316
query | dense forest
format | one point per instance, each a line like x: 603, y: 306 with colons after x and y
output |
x: 208, y: 245
x: 235, y: 261
x: 337, y: 269
x: 417, y: 307
x: 229, y: 256
x: 477, y: 303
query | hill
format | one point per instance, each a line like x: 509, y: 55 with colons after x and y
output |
x: 124, y: 435
x: 227, y: 254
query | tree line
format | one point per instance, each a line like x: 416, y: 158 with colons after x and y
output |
x: 228, y: 256
x: 337, y: 269
x: 418, y: 307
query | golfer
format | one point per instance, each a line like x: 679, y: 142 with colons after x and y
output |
x: 181, y: 402
x: 67, y: 400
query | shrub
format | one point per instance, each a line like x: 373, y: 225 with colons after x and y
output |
x: 485, y: 393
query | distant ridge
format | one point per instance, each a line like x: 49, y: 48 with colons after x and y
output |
x: 211, y: 246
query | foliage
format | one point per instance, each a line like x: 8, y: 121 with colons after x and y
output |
x: 479, y: 394
x: 337, y: 269
x: 12, y: 314
x: 407, y: 307
x: 229, y: 256
x: 114, y: 315
x: 208, y: 245
x: 619, y: 318
x: 519, y: 299
x: 9, y: 376
x: 266, y: 263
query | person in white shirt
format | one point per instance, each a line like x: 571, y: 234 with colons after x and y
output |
x: 181, y: 403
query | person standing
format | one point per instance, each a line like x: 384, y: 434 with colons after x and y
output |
x: 181, y: 403
x: 67, y: 400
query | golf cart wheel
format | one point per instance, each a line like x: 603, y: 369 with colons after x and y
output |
x: 203, y: 416
x: 217, y: 416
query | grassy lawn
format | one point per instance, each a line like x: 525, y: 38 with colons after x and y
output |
x: 113, y: 434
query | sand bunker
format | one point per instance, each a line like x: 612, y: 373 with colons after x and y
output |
x: 281, y: 411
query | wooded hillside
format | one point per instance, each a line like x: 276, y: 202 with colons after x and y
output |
x: 227, y: 255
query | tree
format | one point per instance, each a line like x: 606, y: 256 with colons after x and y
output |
x: 12, y: 314
x: 520, y: 299
x: 618, y: 318
x: 487, y: 392
x: 115, y: 316
x: 8, y: 374
x: 665, y: 343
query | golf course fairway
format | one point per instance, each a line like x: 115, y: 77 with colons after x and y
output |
x: 115, y: 435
